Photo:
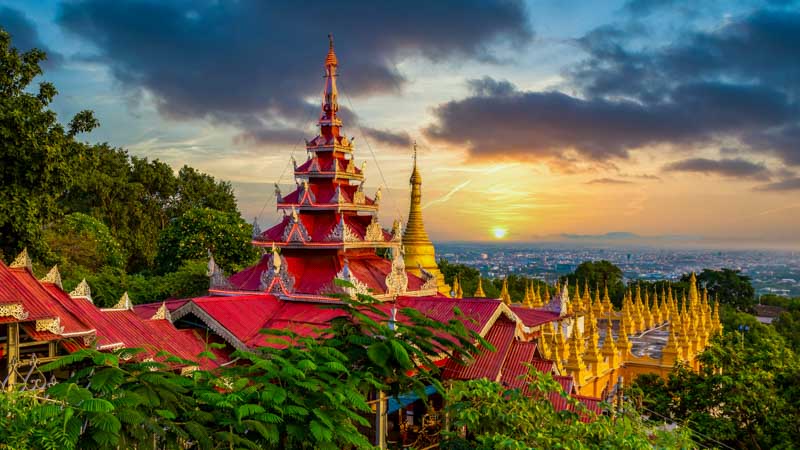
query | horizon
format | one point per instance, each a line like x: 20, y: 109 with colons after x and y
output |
x: 543, y: 124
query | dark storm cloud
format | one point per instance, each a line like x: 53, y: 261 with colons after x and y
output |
x: 229, y: 60
x: 789, y: 184
x: 739, y: 81
x: 737, y: 167
x: 24, y: 36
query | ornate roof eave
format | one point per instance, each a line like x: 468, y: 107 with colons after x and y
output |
x: 23, y: 260
x: 212, y: 323
x: 330, y: 147
x: 329, y: 174
x: 332, y: 244
x: 328, y: 207
x: 53, y: 276
x: 82, y: 290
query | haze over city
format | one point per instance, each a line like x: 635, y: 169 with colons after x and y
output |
x: 535, y: 120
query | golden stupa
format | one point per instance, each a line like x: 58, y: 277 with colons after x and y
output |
x: 419, y: 252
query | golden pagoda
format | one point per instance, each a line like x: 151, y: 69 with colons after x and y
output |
x: 419, y: 252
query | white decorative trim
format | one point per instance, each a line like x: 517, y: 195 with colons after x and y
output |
x: 276, y: 277
x: 359, y: 287
x: 217, y: 278
x: 397, y: 279
x: 295, y: 231
x: 342, y: 233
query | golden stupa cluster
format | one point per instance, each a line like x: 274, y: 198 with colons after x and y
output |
x: 594, y: 342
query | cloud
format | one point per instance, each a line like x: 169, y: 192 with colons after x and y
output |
x: 609, y: 181
x: 725, y: 167
x: 734, y: 82
x: 788, y: 184
x: 24, y: 36
x: 258, y: 65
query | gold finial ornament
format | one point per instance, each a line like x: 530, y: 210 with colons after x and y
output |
x: 504, y: 295
x: 479, y: 291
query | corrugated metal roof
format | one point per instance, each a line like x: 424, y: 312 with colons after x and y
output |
x: 478, y: 311
x: 514, y: 367
x: 487, y: 364
x: 69, y: 321
x: 534, y: 317
x: 12, y: 290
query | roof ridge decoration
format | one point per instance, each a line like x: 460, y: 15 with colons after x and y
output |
x: 359, y: 287
x: 397, y: 280
x: 374, y: 231
x: 53, y: 276
x: 358, y: 196
x: 82, y: 290
x: 217, y: 278
x: 124, y: 302
x: 378, y: 195
x: 278, y: 196
x: 276, y: 277
x: 23, y: 260
x: 397, y: 230
x: 295, y: 231
x: 342, y: 233
x: 306, y: 196
x: 256, y: 228
x: 428, y: 278
x: 162, y: 313
x: 52, y: 325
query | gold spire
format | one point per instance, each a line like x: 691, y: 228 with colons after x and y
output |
x: 575, y: 365
x: 419, y: 251
x: 457, y: 292
x: 622, y: 340
x: 670, y: 353
x: 504, y: 295
x: 607, y: 305
x: 609, y: 347
x: 479, y: 291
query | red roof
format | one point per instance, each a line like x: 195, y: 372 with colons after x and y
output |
x: 534, y: 317
x: 12, y: 290
x: 478, y: 311
x: 514, y: 367
x: 486, y: 364
x: 70, y: 322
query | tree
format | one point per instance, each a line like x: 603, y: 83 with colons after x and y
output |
x: 483, y: 414
x: 729, y: 286
x: 199, y: 231
x: 745, y: 395
x: 38, y: 154
x: 599, y: 274
x: 85, y: 241
x: 200, y: 190
x: 297, y: 392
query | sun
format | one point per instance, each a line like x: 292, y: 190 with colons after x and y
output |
x: 499, y: 232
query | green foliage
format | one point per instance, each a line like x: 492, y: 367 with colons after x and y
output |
x: 599, y: 274
x: 38, y: 154
x: 745, y: 395
x: 198, y: 231
x: 497, y: 418
x: 109, y: 283
x: 300, y: 392
x: 79, y: 239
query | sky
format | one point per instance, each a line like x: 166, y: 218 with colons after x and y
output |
x: 675, y: 121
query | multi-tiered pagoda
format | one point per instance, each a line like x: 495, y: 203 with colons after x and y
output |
x: 329, y: 229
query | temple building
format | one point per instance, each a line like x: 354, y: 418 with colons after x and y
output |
x: 329, y: 230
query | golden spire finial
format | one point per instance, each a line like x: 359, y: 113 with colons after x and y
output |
x: 504, y: 295
x: 479, y: 291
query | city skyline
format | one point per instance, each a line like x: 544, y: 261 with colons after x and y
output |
x: 676, y: 125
